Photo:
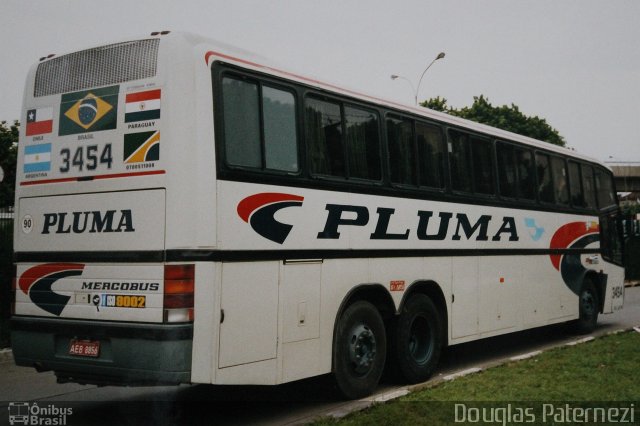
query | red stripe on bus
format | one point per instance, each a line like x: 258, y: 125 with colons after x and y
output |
x: 79, y: 179
x: 252, y: 203
x: 143, y: 96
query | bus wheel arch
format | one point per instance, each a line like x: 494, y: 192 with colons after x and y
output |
x: 360, y: 340
x: 420, y: 333
x: 432, y: 290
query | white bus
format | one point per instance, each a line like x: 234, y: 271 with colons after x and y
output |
x: 187, y: 213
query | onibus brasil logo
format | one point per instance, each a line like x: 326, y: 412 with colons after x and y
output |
x: 26, y: 413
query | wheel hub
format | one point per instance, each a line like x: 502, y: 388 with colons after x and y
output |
x: 362, y: 349
x: 588, y: 303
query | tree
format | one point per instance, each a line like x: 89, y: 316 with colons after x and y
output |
x: 508, y: 118
x: 8, y: 158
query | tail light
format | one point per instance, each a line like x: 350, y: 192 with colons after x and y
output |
x: 179, y: 284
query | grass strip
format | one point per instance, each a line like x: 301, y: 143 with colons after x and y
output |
x: 602, y: 372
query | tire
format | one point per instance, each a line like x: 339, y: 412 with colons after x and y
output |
x: 588, y: 305
x: 418, y: 339
x: 359, y: 350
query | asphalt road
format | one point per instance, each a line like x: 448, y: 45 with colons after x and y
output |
x: 286, y: 404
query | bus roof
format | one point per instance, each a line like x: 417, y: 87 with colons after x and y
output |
x: 216, y: 49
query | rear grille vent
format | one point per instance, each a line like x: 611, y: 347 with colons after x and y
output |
x: 101, y: 66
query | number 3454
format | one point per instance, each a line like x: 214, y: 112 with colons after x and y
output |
x: 85, y: 158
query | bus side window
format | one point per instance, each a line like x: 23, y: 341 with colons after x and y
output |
x: 401, y: 150
x: 506, y: 170
x: 249, y: 141
x: 430, y: 155
x: 280, y: 141
x: 588, y: 186
x: 363, y: 143
x: 560, y: 180
x: 526, y: 174
x: 575, y: 185
x: 324, y: 137
x: 483, y: 166
x: 241, y: 123
x: 460, y: 161
x: 604, y: 190
x: 545, y: 184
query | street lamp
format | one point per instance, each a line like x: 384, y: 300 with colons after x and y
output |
x: 415, y: 90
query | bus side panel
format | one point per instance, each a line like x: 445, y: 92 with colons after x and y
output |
x: 206, y: 317
x: 614, y: 287
x: 249, y: 303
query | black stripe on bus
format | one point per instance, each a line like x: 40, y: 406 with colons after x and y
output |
x: 102, y: 329
x: 156, y: 256
x: 199, y: 255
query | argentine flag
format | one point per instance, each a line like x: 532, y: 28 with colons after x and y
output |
x: 37, y: 158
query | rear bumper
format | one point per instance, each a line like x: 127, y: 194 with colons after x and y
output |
x: 130, y: 353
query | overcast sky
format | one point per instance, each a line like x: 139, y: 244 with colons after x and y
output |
x: 575, y: 63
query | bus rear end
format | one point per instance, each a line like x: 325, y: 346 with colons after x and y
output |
x: 95, y: 299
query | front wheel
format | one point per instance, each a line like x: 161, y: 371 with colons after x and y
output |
x: 588, y: 307
x: 359, y: 350
x: 418, y: 339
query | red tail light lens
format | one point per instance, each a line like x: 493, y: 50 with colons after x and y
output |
x: 179, y: 287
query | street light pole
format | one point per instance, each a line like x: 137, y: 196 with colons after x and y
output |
x: 413, y: 89
x: 416, y: 90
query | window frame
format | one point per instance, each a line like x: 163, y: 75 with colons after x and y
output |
x: 303, y: 177
x: 554, y: 181
x: 343, y: 103
x: 443, y: 161
x: 472, y: 174
x: 221, y: 148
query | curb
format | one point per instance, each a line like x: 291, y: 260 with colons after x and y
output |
x: 631, y: 283
x: 390, y: 395
x: 6, y: 355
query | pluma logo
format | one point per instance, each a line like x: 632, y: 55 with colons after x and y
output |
x: 258, y: 210
x: 37, y: 283
x: 573, y: 235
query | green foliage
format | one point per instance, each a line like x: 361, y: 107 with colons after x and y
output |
x: 505, y: 117
x: 437, y: 104
x: 8, y: 157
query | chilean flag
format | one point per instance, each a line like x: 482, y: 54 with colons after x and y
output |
x: 39, y: 121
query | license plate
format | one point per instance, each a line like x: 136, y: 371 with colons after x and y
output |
x: 88, y: 348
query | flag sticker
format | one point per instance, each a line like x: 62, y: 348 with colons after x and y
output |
x: 142, y: 106
x: 39, y: 121
x: 89, y: 111
x: 37, y: 158
x: 141, y: 147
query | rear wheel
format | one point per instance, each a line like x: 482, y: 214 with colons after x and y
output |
x: 588, y: 307
x: 418, y: 339
x: 359, y: 350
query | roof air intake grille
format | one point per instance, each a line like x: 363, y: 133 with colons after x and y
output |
x: 101, y: 66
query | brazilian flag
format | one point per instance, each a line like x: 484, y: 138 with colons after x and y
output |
x: 89, y: 111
